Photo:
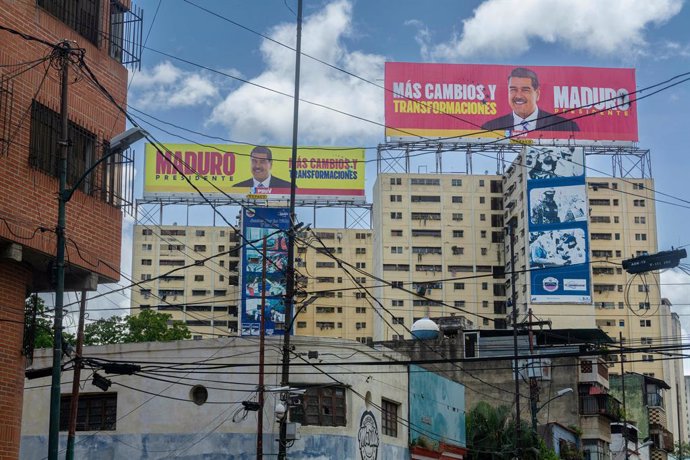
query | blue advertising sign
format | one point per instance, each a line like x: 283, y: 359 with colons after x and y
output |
x: 273, y: 224
x: 558, y: 249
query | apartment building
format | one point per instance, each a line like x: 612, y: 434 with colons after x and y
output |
x: 343, y: 305
x: 192, y: 273
x: 440, y: 235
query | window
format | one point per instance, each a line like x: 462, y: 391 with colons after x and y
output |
x: 457, y: 216
x: 361, y: 265
x: 458, y: 233
x: 638, y: 186
x: 221, y: 248
x: 200, y: 233
x: 397, y: 303
x: 642, y: 288
x: 482, y: 200
x: 640, y: 220
x: 321, y: 406
x: 146, y: 262
x: 360, y: 250
x: 639, y: 203
x: 423, y: 181
x: 146, y: 247
x: 396, y: 233
x: 481, y: 182
x: 397, y: 284
x: 198, y: 277
x: 147, y: 231
x: 396, y: 215
x: 95, y: 412
x: 389, y: 418
x: 424, y: 232
x: 80, y: 15
x: 425, y: 199
x: 456, y: 182
x: 199, y: 248
x: 425, y: 216
x: 458, y: 286
x: 485, y: 286
x: 301, y: 324
x: 459, y: 303
x: 484, y: 251
x: 399, y: 320
x: 43, y: 151
x: 145, y: 276
x: 647, y: 357
x: 360, y: 309
x: 644, y: 305
x: 640, y: 237
x: 482, y: 217
x: 457, y: 199
x: 396, y: 181
x: 645, y: 323
x: 482, y: 233
x: 396, y: 250
x: 396, y: 198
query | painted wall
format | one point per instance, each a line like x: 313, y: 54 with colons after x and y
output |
x: 157, y: 419
x: 437, y: 410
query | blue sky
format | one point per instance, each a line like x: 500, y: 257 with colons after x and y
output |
x: 360, y: 36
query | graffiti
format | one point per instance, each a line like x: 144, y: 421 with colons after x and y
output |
x: 368, y: 436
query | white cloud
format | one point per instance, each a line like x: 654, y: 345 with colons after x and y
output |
x: 503, y: 28
x: 167, y: 86
x: 250, y: 112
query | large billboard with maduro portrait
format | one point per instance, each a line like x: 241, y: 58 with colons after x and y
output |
x: 502, y: 103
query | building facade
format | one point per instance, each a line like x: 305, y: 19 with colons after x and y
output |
x: 343, y: 410
x: 30, y: 97
x: 192, y: 273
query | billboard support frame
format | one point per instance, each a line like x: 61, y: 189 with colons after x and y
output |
x: 639, y: 164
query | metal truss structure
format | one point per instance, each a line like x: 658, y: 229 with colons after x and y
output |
x: 394, y: 157
x: 153, y: 210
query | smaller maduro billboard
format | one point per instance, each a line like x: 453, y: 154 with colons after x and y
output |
x: 500, y: 102
x: 323, y: 173
x: 558, y: 249
x: 257, y: 286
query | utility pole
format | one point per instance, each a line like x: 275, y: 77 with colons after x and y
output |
x: 513, y: 293
x: 64, y: 144
x: 533, y: 385
x: 625, y: 415
x: 262, y: 344
x: 290, y: 269
x: 74, y: 402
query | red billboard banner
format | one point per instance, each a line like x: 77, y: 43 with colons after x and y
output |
x: 495, y: 102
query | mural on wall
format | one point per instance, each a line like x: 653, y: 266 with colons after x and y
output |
x: 437, y: 410
x: 368, y: 436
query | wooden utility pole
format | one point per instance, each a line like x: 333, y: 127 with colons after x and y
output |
x: 262, y: 339
x: 74, y: 402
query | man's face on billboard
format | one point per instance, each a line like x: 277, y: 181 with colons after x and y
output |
x: 261, y: 166
x: 522, y: 96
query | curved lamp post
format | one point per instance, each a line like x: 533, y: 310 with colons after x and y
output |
x: 535, y: 409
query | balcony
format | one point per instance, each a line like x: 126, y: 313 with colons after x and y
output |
x: 662, y: 438
x: 604, y: 405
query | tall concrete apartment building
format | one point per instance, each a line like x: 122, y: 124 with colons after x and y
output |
x: 442, y: 234
x: 193, y: 274
x: 30, y: 128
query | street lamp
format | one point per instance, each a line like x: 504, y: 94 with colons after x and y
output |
x: 535, y: 409
x: 118, y: 144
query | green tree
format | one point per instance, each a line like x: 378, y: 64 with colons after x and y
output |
x: 151, y: 326
x: 38, y: 327
x: 681, y: 450
x: 105, y: 330
x: 491, y: 435
x: 147, y: 326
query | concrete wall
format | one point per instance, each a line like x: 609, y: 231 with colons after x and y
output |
x: 156, y: 419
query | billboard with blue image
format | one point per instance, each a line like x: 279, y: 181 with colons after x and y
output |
x: 273, y: 224
x: 558, y: 247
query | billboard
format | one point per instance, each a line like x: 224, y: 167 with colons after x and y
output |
x: 558, y: 248
x: 257, y: 223
x: 262, y: 172
x: 494, y: 102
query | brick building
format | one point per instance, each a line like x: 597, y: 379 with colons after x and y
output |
x: 30, y: 97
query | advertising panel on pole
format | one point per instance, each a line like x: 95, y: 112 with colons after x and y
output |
x: 489, y: 103
x: 249, y: 171
x: 257, y: 223
x: 558, y: 246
